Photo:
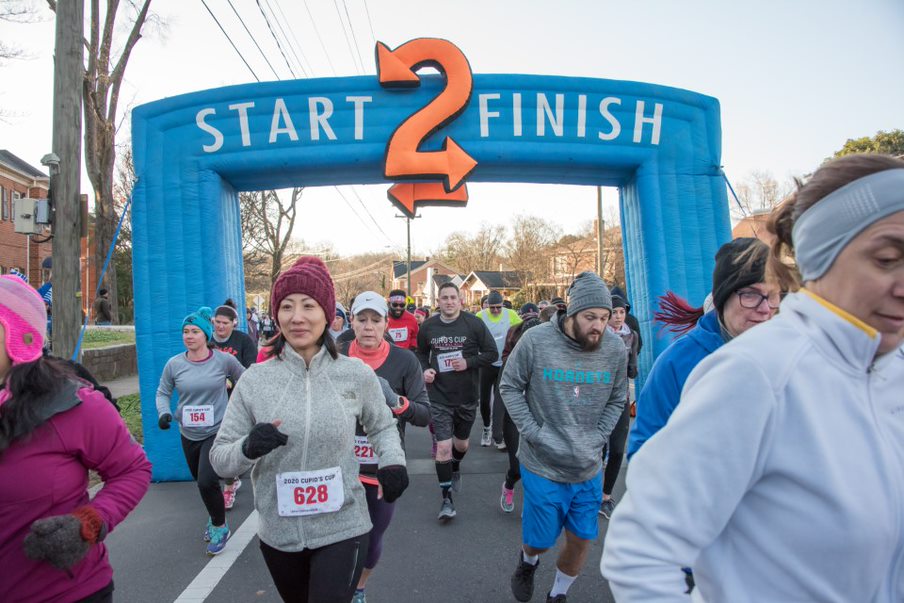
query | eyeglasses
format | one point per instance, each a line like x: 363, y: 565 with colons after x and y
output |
x: 495, y: 307
x: 751, y: 299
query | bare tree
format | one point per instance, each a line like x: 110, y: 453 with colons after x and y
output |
x: 760, y: 192
x: 16, y: 11
x: 528, y: 248
x: 573, y: 254
x: 481, y: 251
x: 100, y: 91
x: 267, y: 224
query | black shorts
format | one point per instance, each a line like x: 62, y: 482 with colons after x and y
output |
x: 451, y: 421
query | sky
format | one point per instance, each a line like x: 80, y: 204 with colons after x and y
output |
x: 795, y: 80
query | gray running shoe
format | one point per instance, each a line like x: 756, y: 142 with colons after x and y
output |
x: 500, y: 446
x: 607, y: 508
x: 523, y: 579
x: 487, y: 437
x: 456, y: 481
x: 447, y: 511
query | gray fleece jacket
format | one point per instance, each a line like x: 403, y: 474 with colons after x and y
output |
x: 565, y: 401
x: 319, y: 407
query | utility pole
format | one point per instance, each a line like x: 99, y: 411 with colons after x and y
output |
x: 600, y: 229
x: 65, y: 172
x: 408, y: 228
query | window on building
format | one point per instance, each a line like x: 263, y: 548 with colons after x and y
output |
x: 4, y: 205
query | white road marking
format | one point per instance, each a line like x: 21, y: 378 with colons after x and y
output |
x: 216, y: 568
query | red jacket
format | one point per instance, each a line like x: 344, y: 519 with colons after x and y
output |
x: 47, y: 474
x: 403, y: 330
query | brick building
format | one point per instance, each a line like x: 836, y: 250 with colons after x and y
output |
x: 19, y: 179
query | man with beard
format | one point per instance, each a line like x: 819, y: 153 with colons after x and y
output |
x: 564, y: 386
x: 402, y: 325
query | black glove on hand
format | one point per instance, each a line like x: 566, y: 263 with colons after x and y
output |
x: 263, y: 438
x: 392, y: 398
x: 164, y: 421
x: 56, y: 540
x: 394, y: 480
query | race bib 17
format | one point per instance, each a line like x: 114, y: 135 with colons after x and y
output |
x: 444, y: 361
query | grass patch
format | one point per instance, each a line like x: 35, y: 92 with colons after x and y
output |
x: 130, y: 407
x: 101, y: 338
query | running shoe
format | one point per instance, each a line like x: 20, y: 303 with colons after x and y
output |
x: 447, y: 511
x: 556, y: 599
x: 500, y: 446
x: 523, y: 579
x: 456, y: 481
x: 507, y: 500
x: 487, y: 437
x: 607, y: 508
x: 207, y: 530
x: 359, y: 597
x: 229, y: 496
x: 218, y: 538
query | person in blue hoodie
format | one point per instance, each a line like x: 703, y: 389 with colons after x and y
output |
x: 778, y: 476
x: 742, y: 299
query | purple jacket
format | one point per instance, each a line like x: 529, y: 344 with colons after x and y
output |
x: 47, y: 474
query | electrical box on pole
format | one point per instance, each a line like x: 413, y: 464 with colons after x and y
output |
x: 30, y: 216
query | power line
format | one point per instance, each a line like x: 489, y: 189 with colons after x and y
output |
x: 319, y: 37
x: 345, y: 33
x: 204, y: 2
x: 354, y: 37
x: 293, y: 45
x: 370, y: 23
x: 272, y: 33
x: 366, y: 211
x: 253, y: 39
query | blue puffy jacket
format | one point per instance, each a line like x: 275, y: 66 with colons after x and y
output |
x: 662, y: 390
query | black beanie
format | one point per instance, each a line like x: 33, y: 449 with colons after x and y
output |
x: 619, y: 302
x: 734, y: 271
x: 494, y: 298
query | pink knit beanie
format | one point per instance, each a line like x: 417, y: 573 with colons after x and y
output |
x: 24, y: 318
x: 308, y: 275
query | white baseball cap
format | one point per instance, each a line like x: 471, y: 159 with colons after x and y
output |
x: 369, y: 300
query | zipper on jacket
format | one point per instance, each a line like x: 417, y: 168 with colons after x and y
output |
x: 307, y: 433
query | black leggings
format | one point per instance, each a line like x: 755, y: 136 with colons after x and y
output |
x: 380, y: 515
x: 511, y: 436
x: 328, y: 574
x: 197, y: 454
x: 617, y: 440
x: 488, y: 375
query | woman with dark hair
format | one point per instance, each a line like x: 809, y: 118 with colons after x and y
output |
x: 778, y: 477
x: 199, y: 375
x: 402, y: 380
x: 291, y: 421
x: 54, y: 428
x: 742, y: 299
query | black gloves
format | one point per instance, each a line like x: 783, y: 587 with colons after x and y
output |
x: 392, y: 398
x: 63, y: 540
x: 263, y: 438
x: 393, y: 479
x: 164, y: 421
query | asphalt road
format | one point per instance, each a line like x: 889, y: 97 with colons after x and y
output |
x: 158, y: 551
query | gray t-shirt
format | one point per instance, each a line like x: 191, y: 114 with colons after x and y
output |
x: 198, y: 384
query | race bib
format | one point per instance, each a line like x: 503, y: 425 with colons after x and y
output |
x: 364, y: 451
x: 301, y: 493
x: 197, y: 416
x: 400, y: 334
x: 444, y: 361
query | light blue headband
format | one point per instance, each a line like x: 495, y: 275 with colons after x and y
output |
x: 825, y: 229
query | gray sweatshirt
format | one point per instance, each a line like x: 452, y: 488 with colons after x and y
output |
x: 564, y: 401
x: 198, y: 384
x: 319, y: 407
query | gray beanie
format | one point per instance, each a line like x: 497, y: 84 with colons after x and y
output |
x: 588, y: 291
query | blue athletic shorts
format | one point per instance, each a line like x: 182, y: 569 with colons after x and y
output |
x: 549, y: 506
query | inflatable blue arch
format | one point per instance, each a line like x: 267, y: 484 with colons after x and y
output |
x: 194, y: 153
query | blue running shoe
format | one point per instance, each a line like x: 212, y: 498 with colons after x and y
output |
x: 207, y: 530
x: 218, y: 538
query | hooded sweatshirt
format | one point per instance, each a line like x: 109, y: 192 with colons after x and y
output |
x: 319, y: 407
x: 778, y: 477
x: 46, y: 474
x: 565, y: 401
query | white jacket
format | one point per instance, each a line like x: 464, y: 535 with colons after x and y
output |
x: 780, y: 476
